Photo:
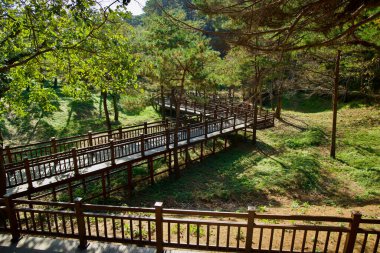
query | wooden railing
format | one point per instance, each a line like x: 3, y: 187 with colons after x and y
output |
x: 192, y: 229
x: 72, y: 162
x: 14, y: 155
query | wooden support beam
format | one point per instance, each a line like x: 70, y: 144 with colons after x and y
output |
x: 104, y: 187
x: 70, y: 191
x: 201, y: 156
x: 151, y: 170
x: 130, y: 178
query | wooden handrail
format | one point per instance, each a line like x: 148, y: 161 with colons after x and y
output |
x: 175, y: 228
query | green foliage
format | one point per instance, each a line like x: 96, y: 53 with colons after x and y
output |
x: 36, y: 38
x: 173, y: 54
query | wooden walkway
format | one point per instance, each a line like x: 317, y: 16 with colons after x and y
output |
x: 156, y: 226
x: 53, y: 163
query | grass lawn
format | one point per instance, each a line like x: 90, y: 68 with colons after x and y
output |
x: 290, y: 168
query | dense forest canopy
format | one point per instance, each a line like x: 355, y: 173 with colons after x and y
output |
x: 266, y: 47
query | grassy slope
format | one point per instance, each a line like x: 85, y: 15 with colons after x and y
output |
x: 78, y: 117
x: 290, y: 168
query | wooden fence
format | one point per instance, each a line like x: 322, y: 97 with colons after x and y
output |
x: 190, y: 229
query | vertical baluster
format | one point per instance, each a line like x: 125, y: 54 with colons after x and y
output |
x: 142, y: 145
x: 120, y: 133
x: 112, y: 151
x: 188, y: 133
x: 75, y: 161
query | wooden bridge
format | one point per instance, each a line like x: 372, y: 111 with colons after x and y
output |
x: 35, y: 167
x: 58, y: 164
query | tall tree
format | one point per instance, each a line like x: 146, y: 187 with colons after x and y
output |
x: 108, y: 66
x: 335, y: 105
x: 34, y: 36
x: 176, y: 59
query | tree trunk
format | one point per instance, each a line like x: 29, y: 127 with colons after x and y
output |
x: 101, y: 106
x: 106, y: 112
x: 177, y: 122
x: 335, y: 105
x: 55, y: 83
x: 279, y: 102
x: 115, y: 102
x: 272, y: 97
x: 3, y: 179
x: 254, y: 126
x: 163, y: 102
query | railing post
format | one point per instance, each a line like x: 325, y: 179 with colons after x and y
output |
x: 250, y: 226
x: 90, y: 142
x: 195, y: 107
x: 12, y: 218
x: 81, y: 224
x: 351, y: 236
x: 188, y: 133
x: 221, y: 125
x: 145, y: 127
x: 53, y: 145
x: 159, y: 227
x: 3, y: 174
x: 234, y: 121
x: 28, y: 173
x: 206, y: 128
x: 120, y: 133
x: 167, y: 133
x: 9, y: 154
x: 142, y: 145
x: 74, y: 154
x: 112, y: 149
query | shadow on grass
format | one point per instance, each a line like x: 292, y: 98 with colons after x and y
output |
x: 306, y: 103
x: 4, y: 130
x: 243, y: 175
x: 82, y: 109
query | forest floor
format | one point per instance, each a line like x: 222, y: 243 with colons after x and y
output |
x: 290, y: 170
